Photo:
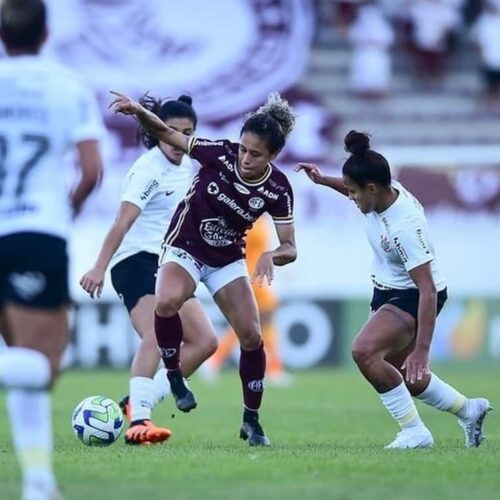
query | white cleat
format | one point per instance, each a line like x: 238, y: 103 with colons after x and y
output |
x: 416, y: 437
x: 473, y: 426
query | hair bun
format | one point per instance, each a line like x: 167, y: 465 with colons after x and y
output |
x: 186, y: 99
x: 357, y: 143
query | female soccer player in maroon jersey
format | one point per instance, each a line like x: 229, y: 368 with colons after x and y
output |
x: 236, y: 184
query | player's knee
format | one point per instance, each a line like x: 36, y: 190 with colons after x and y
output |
x: 363, y: 354
x: 168, y: 306
x: 250, y: 340
x: 209, y: 346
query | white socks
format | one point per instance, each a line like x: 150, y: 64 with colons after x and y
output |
x: 23, y: 369
x: 141, y: 398
x: 31, y: 427
x: 25, y: 374
x: 442, y: 396
x: 400, y: 405
x: 161, y: 386
x: 145, y: 393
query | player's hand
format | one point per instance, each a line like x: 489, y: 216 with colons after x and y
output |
x: 264, y: 269
x: 416, y: 365
x: 92, y: 282
x: 124, y: 104
x: 312, y: 171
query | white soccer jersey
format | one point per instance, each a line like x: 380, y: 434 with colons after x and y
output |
x: 44, y: 110
x: 400, y: 240
x: 156, y: 186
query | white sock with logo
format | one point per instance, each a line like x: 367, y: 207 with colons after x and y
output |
x: 442, y: 396
x: 400, y: 405
x: 140, y: 398
x: 161, y: 386
x: 25, y: 373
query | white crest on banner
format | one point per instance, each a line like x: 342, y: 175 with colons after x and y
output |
x: 228, y: 54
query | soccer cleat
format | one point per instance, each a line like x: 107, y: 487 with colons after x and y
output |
x: 473, y: 426
x: 124, y: 404
x: 252, y: 430
x: 184, y: 398
x: 145, y: 432
x: 414, y: 437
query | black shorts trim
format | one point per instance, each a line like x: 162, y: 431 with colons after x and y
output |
x: 34, y: 270
x: 406, y: 300
x: 135, y: 277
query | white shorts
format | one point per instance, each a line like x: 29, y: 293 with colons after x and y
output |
x: 214, y: 278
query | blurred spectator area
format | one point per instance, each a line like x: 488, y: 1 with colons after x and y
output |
x: 436, y: 94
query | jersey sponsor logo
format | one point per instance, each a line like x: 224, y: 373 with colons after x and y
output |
x: 256, y: 385
x: 275, y: 185
x: 216, y: 233
x: 422, y: 242
x: 147, y: 192
x: 288, y: 203
x: 385, y: 243
x: 168, y: 193
x: 29, y: 284
x: 400, y: 250
x: 208, y: 143
x: 17, y: 209
x: 256, y: 203
x: 213, y: 188
x: 182, y: 254
x: 240, y: 188
x: 234, y: 206
x: 269, y: 194
x: 223, y: 159
x: 223, y: 178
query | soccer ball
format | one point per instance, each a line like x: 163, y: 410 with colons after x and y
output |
x: 97, y: 421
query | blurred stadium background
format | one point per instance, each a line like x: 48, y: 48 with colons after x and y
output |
x: 422, y: 76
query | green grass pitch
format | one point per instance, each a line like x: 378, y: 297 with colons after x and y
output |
x: 328, y: 432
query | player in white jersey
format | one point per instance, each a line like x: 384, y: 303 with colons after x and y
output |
x: 392, y: 348
x: 151, y: 191
x: 44, y: 113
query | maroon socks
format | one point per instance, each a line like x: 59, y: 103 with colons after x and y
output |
x: 252, y: 370
x: 169, y: 337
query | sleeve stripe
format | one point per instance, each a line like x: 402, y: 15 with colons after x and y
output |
x: 283, y: 220
x: 191, y: 142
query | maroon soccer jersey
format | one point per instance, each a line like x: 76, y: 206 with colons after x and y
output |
x: 221, y: 206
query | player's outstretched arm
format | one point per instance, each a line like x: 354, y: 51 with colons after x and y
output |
x: 154, y: 125
x: 314, y: 173
x: 90, y: 165
x: 93, y: 280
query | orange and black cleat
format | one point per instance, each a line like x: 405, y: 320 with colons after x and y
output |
x: 145, y: 432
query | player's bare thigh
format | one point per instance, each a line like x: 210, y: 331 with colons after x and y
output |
x: 388, y: 331
x: 237, y: 302
x: 174, y: 285
x: 44, y: 330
